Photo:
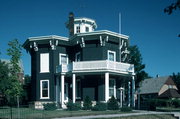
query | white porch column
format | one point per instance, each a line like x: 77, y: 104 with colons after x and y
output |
x: 129, y: 94
x: 74, y: 88
x: 62, y: 90
x: 133, y: 91
x: 106, y: 87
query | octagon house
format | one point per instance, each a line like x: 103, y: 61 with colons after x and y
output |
x: 87, y: 63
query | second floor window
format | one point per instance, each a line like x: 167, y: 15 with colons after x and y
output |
x: 78, y: 57
x: 63, y: 59
x: 111, y: 55
x: 44, y: 62
x: 78, y: 29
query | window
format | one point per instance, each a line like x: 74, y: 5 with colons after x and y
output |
x: 78, y: 89
x: 111, y: 55
x: 170, y: 86
x: 63, y: 59
x: 78, y: 29
x: 44, y: 89
x: 87, y: 29
x: 112, y: 88
x: 44, y: 62
x: 78, y: 57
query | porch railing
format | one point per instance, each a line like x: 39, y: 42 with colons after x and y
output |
x: 95, y: 65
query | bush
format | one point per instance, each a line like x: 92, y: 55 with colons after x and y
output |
x: 152, y: 105
x: 100, y: 107
x: 126, y: 109
x: 50, y: 106
x: 73, y: 106
x: 112, y: 104
x: 176, y: 103
x: 87, y: 105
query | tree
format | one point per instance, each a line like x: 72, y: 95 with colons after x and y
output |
x: 174, y: 6
x: 4, y: 77
x: 176, y: 79
x: 15, y: 90
x: 136, y: 59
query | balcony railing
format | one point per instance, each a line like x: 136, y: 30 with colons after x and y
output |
x: 90, y: 66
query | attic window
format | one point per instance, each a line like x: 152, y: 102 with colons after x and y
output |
x: 170, y: 86
x: 78, y: 29
x: 87, y: 29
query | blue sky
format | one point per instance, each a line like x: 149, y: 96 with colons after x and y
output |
x: 154, y: 32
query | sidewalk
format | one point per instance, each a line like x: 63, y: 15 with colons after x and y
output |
x: 177, y: 114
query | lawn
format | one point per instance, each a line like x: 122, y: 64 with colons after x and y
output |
x: 29, y: 113
x: 146, y: 117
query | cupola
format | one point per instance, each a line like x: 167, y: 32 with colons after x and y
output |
x: 80, y: 25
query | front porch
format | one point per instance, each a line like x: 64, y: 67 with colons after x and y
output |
x: 97, y: 79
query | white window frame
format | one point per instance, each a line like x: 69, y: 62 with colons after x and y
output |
x: 41, y: 95
x: 109, y: 51
x: 61, y: 54
x: 76, y: 57
x: 114, y: 87
x: 42, y: 63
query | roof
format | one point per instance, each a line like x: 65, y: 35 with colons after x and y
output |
x: 152, y: 85
x: 73, y: 40
x: 170, y: 93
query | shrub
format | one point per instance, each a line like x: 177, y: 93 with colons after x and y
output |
x: 152, y: 104
x: 100, y: 107
x: 176, y: 103
x: 87, y: 105
x: 50, y: 106
x: 73, y: 106
x: 126, y: 109
x: 112, y: 104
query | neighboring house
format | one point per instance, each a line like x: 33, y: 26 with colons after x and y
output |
x: 88, y: 63
x: 159, y: 87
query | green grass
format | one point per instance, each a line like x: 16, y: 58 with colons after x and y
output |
x: 145, y: 117
x: 168, y: 109
x: 29, y: 113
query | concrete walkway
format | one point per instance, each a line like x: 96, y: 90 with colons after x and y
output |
x: 176, y: 114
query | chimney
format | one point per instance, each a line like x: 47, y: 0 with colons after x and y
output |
x: 70, y: 24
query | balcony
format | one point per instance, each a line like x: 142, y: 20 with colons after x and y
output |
x: 95, y: 66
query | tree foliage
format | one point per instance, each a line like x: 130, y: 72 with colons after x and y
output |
x: 136, y: 59
x: 15, y: 89
x: 174, y: 6
x: 176, y: 79
x: 4, y: 77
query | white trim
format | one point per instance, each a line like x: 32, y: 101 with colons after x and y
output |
x: 109, y: 51
x: 106, y: 87
x: 61, y: 54
x: 41, y: 96
x: 76, y: 56
x: 48, y: 37
x: 44, y: 63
